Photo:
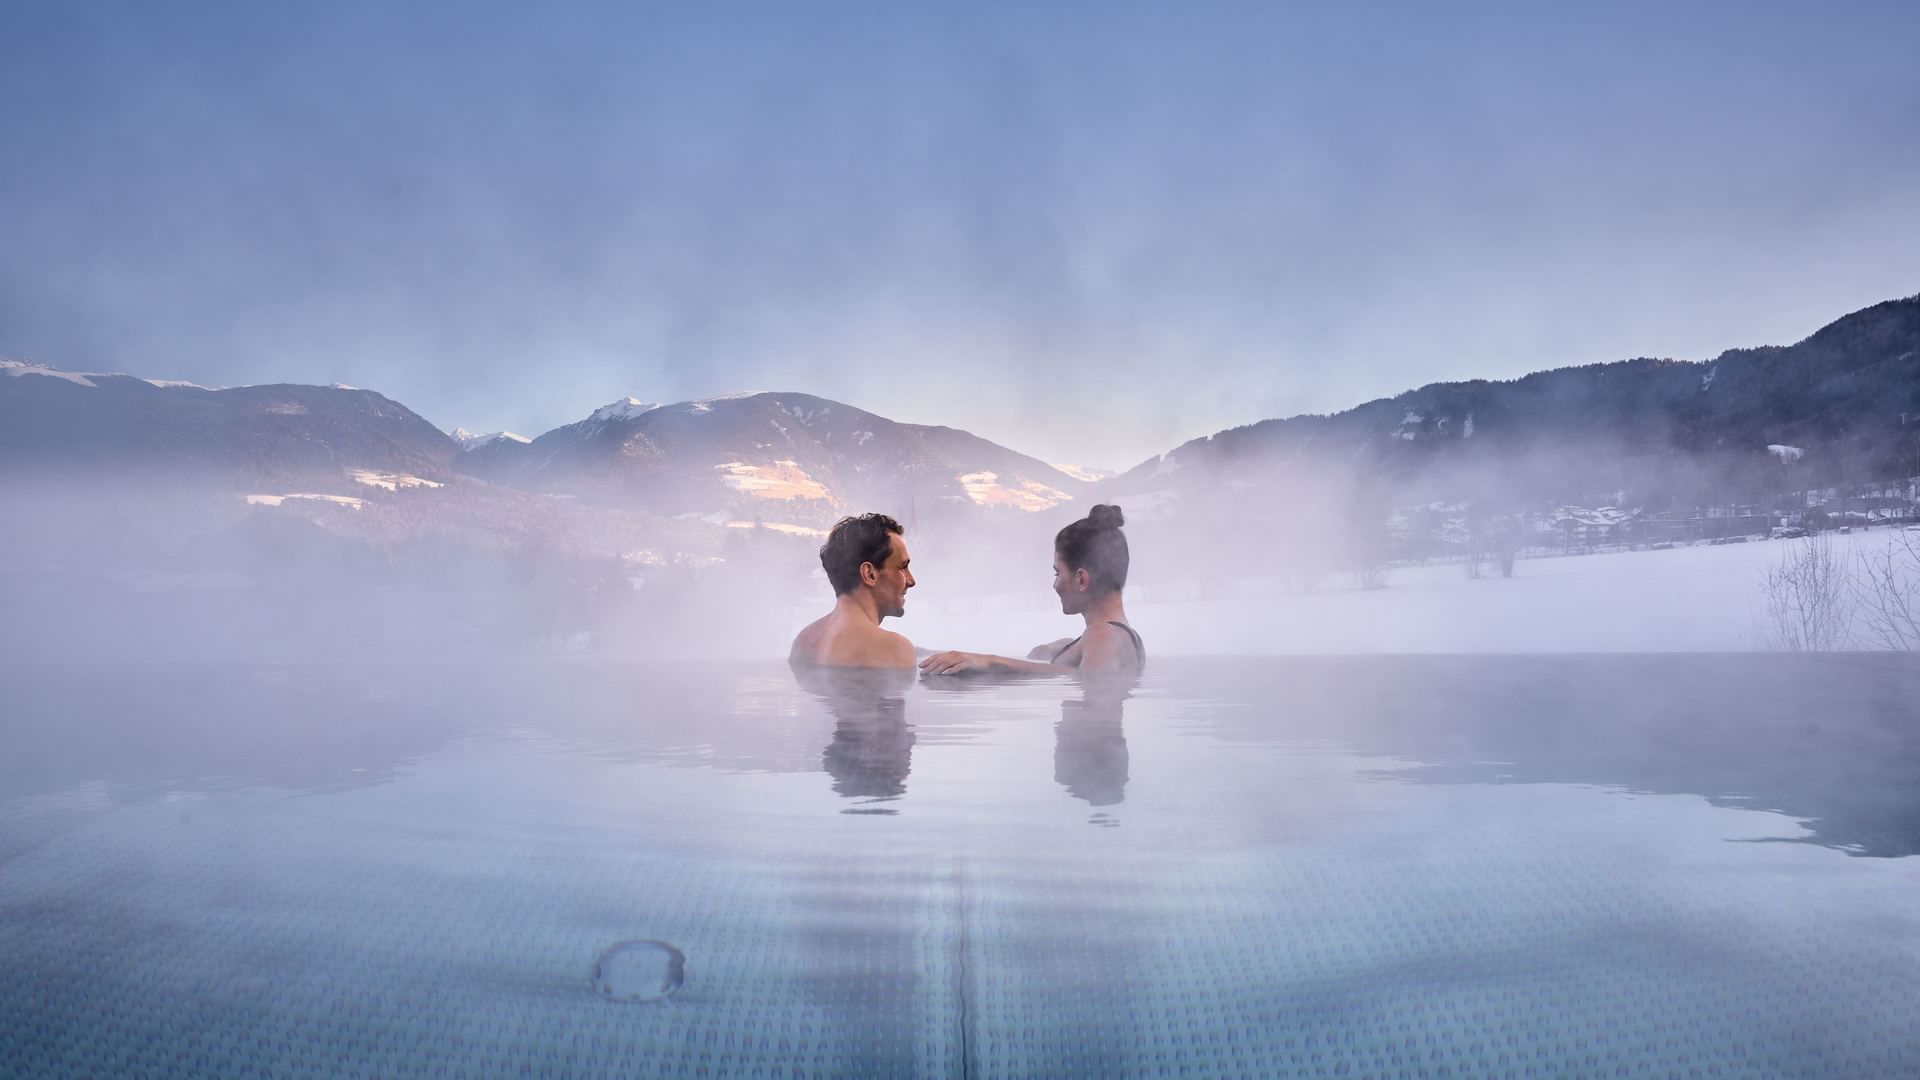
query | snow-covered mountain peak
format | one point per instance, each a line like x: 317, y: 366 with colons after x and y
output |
x: 706, y: 404
x: 24, y: 367
x: 629, y: 407
x: 625, y: 409
x: 85, y: 378
x: 469, y: 441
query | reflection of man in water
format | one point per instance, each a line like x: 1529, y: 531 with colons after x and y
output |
x: 1090, y: 745
x: 866, y: 563
x: 871, y: 750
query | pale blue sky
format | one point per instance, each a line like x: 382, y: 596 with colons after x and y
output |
x: 1086, y: 231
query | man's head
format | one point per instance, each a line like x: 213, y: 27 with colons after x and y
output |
x: 867, y: 552
x: 1090, y: 559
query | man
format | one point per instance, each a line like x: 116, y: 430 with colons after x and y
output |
x: 866, y: 563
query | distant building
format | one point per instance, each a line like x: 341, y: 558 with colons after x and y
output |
x: 1737, y: 519
x: 1670, y: 527
x: 1578, y: 526
x: 1706, y: 523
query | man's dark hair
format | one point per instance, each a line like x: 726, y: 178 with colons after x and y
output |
x: 856, y: 540
x: 1096, y: 544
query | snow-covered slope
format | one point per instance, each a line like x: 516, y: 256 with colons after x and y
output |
x: 784, y: 458
x: 16, y: 368
x: 63, y: 420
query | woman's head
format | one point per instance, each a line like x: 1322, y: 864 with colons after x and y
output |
x: 1090, y: 559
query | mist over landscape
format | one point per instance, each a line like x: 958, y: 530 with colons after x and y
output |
x: 471, y: 327
x: 157, y: 518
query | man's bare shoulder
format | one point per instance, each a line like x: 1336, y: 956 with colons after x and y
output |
x: 873, y: 647
x: 897, y: 650
x: 837, y: 642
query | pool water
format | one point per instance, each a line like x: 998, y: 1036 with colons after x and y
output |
x: 1414, y: 866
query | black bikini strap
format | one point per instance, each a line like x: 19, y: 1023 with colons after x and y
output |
x: 1139, y: 646
x: 1064, y: 648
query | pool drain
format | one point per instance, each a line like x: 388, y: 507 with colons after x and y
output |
x: 639, y: 971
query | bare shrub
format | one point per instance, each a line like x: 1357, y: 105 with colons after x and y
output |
x: 1508, y: 538
x: 1370, y: 576
x: 1809, y: 598
x: 1887, y: 589
x: 1495, y: 543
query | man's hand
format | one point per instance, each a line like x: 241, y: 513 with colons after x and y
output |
x: 954, y: 662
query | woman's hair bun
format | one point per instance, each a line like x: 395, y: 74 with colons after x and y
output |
x: 1096, y: 544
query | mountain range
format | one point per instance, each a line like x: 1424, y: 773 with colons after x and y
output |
x: 790, y: 458
x: 1843, y: 403
x: 63, y: 420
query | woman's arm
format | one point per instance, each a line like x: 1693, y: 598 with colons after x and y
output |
x: 954, y: 662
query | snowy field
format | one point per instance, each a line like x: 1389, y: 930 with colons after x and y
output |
x: 1691, y: 599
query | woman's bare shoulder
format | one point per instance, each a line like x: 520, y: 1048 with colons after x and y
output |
x: 1109, y: 645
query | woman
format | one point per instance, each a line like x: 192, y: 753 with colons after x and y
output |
x: 1089, y: 570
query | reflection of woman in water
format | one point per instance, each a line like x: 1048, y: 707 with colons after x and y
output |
x: 1089, y: 570
x: 1090, y: 745
x: 871, y: 751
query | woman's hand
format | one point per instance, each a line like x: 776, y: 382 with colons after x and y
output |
x: 955, y: 662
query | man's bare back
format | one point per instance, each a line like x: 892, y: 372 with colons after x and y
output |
x: 850, y: 639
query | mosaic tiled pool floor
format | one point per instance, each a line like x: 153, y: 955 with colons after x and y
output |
x: 1421, y: 867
